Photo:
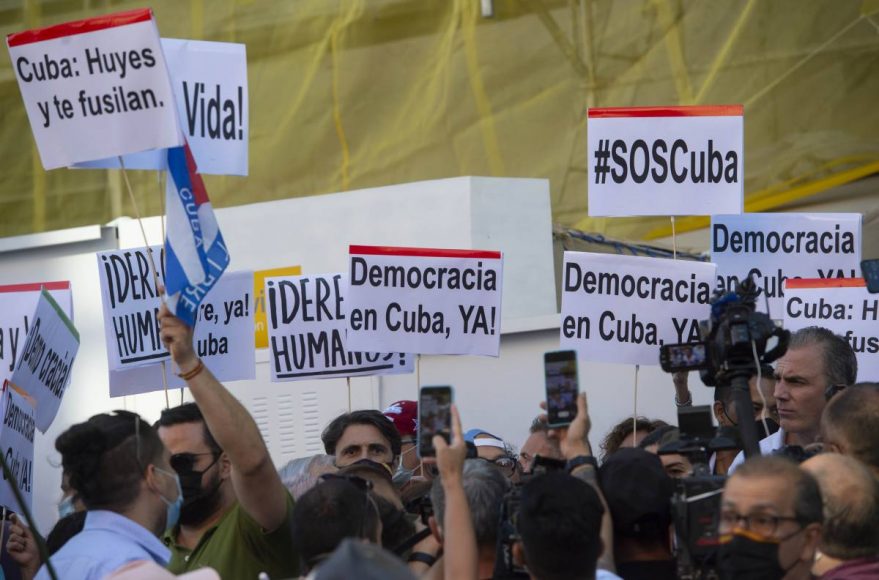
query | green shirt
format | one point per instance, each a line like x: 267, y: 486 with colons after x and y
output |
x: 238, y: 548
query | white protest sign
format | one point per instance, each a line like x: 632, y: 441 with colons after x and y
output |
x: 843, y: 306
x: 425, y: 301
x: 17, y: 305
x: 95, y: 88
x: 772, y: 247
x: 17, y: 447
x: 307, y: 332
x: 665, y: 160
x: 210, y: 85
x: 46, y: 362
x: 131, y: 307
x: 223, y: 339
x: 621, y: 309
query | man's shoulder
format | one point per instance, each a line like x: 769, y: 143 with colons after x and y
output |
x: 768, y: 444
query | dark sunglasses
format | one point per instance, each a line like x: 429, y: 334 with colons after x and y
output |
x: 360, y: 483
x: 184, y: 463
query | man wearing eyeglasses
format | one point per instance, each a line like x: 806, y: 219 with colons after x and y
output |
x: 770, y: 521
x: 494, y: 450
x: 238, y: 512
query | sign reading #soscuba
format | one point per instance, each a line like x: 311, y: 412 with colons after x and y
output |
x: 307, y: 332
x: 773, y: 247
x: 665, y: 160
x: 622, y: 308
x: 426, y: 301
x: 95, y: 88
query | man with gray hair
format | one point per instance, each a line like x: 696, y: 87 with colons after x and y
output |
x: 485, y: 487
x: 849, y: 424
x: 849, y: 545
x: 816, y: 361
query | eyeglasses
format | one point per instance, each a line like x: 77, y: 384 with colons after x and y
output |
x: 184, y: 463
x: 506, y: 463
x: 763, y: 524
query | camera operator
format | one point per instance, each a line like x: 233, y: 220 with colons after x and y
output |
x: 762, y: 401
x: 816, y: 360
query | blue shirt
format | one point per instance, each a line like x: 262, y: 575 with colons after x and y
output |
x: 107, y: 542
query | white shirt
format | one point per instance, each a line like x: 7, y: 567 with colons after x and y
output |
x: 767, y: 445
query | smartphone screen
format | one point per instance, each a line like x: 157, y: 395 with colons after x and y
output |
x: 562, y: 386
x: 434, y: 417
x: 683, y: 357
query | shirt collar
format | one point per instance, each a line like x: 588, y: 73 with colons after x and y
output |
x: 123, y: 526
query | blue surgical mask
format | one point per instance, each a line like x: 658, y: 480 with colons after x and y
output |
x: 65, y: 507
x: 172, y: 514
x: 403, y: 474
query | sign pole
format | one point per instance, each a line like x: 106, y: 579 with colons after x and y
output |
x: 635, y: 413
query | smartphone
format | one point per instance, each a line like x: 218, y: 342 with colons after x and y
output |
x: 870, y: 271
x: 688, y: 356
x: 434, y: 417
x: 562, y: 386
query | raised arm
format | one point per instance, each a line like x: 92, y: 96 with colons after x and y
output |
x: 461, y: 559
x: 257, y: 485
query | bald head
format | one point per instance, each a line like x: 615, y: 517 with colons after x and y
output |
x: 851, y: 506
x: 848, y: 424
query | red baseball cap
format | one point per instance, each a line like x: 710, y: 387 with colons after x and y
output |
x: 404, y: 416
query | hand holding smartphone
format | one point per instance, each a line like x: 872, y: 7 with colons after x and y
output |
x: 562, y: 386
x: 434, y: 417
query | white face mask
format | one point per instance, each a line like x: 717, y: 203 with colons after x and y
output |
x: 403, y: 474
x: 66, y: 507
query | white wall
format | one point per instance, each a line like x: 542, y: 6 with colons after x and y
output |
x: 500, y: 395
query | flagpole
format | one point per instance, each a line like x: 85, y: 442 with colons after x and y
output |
x: 152, y: 260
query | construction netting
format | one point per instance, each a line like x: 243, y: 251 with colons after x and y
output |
x: 349, y: 94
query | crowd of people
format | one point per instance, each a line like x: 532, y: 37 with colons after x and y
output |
x: 197, y: 493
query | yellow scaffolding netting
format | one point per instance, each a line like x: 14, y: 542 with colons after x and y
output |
x: 348, y: 94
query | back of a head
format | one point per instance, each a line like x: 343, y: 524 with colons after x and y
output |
x: 840, y: 363
x: 618, y: 433
x: 187, y: 413
x: 333, y: 432
x: 327, y: 514
x: 485, y: 487
x: 853, y: 415
x: 851, y: 506
x: 559, y: 522
x: 106, y: 456
x: 807, y: 495
x: 638, y: 494
x: 353, y: 559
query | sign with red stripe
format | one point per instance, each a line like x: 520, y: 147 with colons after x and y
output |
x: 665, y: 160
x: 95, y: 88
x: 424, y: 300
x: 842, y: 305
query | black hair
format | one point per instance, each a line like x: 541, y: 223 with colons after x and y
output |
x: 385, y: 426
x: 559, y: 521
x: 396, y: 527
x: 188, y: 413
x: 106, y: 456
x: 327, y: 514
x: 658, y: 436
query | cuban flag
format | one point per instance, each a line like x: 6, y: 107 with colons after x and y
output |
x: 195, y: 254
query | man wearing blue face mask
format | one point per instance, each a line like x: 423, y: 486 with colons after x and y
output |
x: 770, y: 521
x: 121, y: 472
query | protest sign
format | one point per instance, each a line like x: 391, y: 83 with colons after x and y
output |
x: 223, y: 339
x: 426, y: 301
x: 17, y: 446
x: 843, y: 306
x: 307, y: 332
x: 17, y: 305
x: 772, y: 247
x: 131, y: 306
x: 44, y: 368
x: 260, y: 326
x: 209, y: 80
x: 665, y: 160
x: 95, y: 88
x: 623, y: 308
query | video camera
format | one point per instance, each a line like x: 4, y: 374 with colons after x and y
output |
x: 732, y: 350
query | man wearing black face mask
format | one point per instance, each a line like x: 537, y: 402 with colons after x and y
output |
x: 770, y: 521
